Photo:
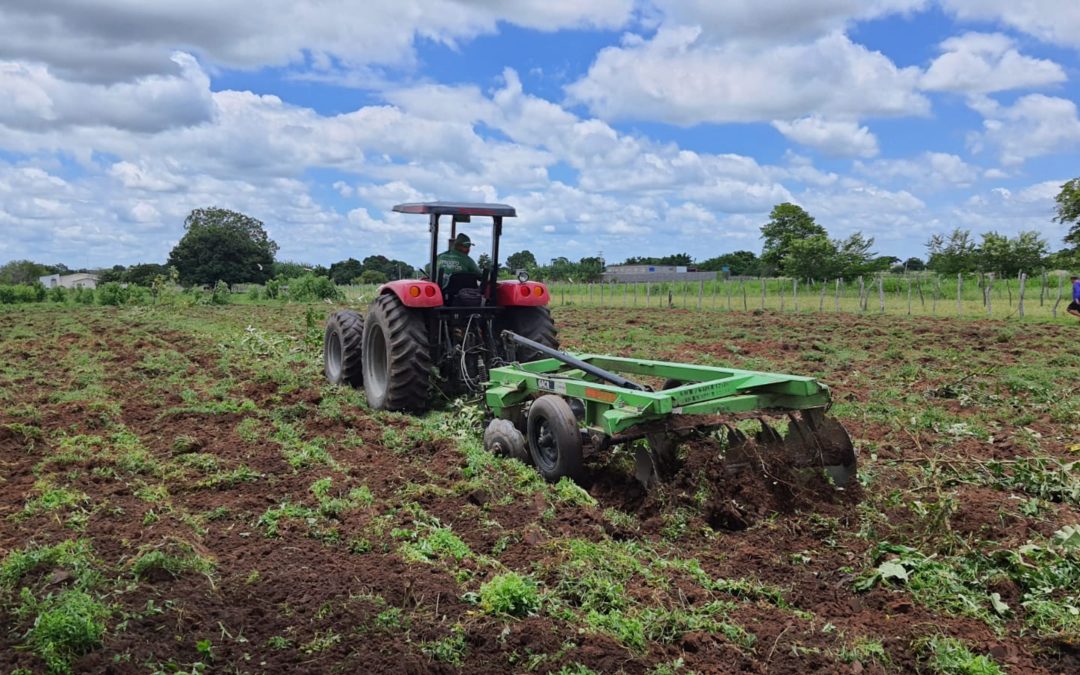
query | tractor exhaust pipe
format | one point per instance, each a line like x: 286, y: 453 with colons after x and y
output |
x: 606, y: 375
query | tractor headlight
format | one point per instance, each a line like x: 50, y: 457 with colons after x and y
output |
x: 523, y: 276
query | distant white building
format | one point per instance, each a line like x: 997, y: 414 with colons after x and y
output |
x: 78, y: 280
x: 636, y: 273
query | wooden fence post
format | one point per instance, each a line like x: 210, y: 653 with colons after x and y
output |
x: 881, y: 292
x: 1023, y: 280
x: 909, y: 296
x: 959, y: 285
x: 1042, y: 289
x: 836, y: 298
x: 780, y: 289
x: 761, y: 280
x: 700, y: 292
x: 1058, y: 301
x: 602, y: 294
x: 795, y: 294
x: 742, y: 285
x: 988, y: 294
x: 862, y: 288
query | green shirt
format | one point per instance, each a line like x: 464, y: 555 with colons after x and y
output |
x: 454, y: 261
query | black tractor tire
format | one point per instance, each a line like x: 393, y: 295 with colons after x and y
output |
x: 397, y: 356
x: 534, y: 323
x: 554, y: 440
x: 342, y: 360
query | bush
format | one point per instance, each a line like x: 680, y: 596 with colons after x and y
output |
x: 84, y: 296
x: 112, y: 293
x: 58, y: 294
x: 310, y: 287
x: 255, y: 293
x: 273, y: 289
x: 221, y: 294
x: 372, y: 277
x: 7, y: 295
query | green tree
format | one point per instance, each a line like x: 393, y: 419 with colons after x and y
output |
x: 286, y: 269
x: 114, y: 273
x: 393, y: 269
x: 590, y: 269
x: 372, y: 277
x: 787, y: 224
x: 1068, y: 210
x: 739, y: 263
x: 223, y: 245
x: 854, y: 257
x: 952, y: 253
x: 522, y: 260
x: 144, y: 274
x: 813, y: 257
x: 998, y: 253
x: 344, y: 271
x: 23, y: 272
x: 674, y: 260
x: 914, y: 264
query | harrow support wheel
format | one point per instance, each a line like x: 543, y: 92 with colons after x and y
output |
x: 554, y: 440
x: 342, y: 354
x: 396, y: 357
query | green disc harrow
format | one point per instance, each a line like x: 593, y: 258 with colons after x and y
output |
x: 553, y: 411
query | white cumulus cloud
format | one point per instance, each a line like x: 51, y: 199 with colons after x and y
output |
x: 1033, y: 126
x: 678, y: 78
x: 1055, y: 21
x: 838, y: 138
x: 980, y: 63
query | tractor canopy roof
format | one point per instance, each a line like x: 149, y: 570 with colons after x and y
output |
x: 458, y: 209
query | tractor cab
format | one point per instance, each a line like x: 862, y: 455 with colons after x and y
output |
x: 440, y: 332
x: 461, y: 288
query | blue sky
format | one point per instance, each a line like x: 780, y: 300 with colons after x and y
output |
x: 631, y: 127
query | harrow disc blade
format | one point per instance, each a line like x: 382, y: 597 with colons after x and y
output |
x: 657, y: 462
x: 816, y: 441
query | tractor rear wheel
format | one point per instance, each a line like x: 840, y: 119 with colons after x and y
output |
x: 554, y: 440
x: 536, y: 324
x: 342, y: 363
x: 397, y: 356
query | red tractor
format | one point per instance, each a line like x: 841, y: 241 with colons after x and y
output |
x: 441, y: 334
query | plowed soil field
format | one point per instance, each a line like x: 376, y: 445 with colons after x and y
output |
x: 181, y: 491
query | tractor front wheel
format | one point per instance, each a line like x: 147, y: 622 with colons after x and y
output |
x: 554, y: 440
x: 342, y: 363
x: 397, y: 356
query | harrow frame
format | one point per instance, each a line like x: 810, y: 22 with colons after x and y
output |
x: 610, y: 409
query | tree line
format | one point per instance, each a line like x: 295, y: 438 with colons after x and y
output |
x: 220, y: 245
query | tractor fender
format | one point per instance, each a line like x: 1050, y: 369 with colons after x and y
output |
x: 414, y: 293
x: 521, y: 294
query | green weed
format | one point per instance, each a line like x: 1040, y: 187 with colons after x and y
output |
x: 64, y: 626
x: 949, y: 656
x: 510, y: 594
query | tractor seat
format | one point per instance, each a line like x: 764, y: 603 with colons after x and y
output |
x: 462, y: 289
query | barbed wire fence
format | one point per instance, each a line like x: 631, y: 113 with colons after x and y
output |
x: 981, y: 295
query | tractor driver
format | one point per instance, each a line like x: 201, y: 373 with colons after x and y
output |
x: 456, y: 259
